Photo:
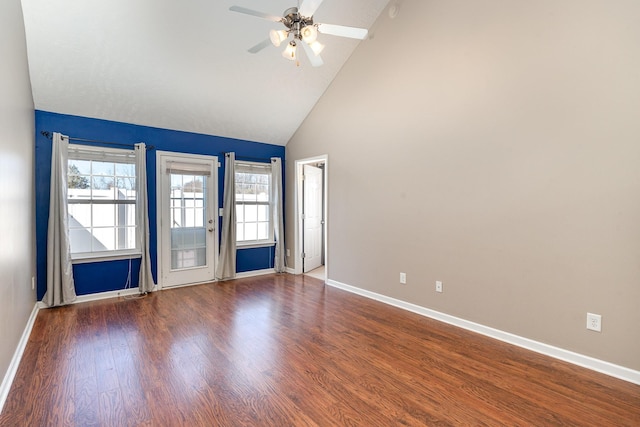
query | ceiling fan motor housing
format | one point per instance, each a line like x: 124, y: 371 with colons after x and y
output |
x: 294, y: 21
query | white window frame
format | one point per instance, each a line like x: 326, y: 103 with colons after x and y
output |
x: 262, y: 168
x: 104, y: 154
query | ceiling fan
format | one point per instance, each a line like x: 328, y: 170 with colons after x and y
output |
x: 301, y: 30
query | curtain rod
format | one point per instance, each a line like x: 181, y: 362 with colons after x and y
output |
x: 49, y: 135
x: 251, y: 159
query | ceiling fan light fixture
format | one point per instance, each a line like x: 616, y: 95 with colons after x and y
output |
x: 290, y: 51
x: 316, y: 47
x: 302, y: 31
x: 277, y: 37
x: 309, y: 33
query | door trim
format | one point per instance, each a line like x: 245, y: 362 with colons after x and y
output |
x: 159, y: 200
x: 313, y: 216
x: 299, y: 232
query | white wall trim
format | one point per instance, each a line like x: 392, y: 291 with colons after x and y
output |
x: 134, y: 291
x: 253, y: 273
x: 588, y: 362
x: 297, y: 206
x: 17, y: 357
x: 290, y: 270
x: 102, y: 295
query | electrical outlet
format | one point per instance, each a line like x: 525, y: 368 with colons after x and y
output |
x: 288, y: 252
x: 438, y: 286
x: 403, y: 278
x: 594, y: 322
x: 33, y: 282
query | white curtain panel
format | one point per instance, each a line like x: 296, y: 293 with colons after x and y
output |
x: 226, y: 268
x: 276, y: 210
x: 60, y: 285
x: 145, y: 278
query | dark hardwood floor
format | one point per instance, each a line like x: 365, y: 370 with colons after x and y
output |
x: 283, y: 350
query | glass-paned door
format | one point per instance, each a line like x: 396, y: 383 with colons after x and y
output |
x: 188, y: 241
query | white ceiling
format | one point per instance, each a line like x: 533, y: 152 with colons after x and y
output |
x: 181, y: 65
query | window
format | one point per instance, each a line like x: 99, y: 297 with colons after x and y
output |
x: 253, y: 213
x: 101, y: 201
x: 188, y: 213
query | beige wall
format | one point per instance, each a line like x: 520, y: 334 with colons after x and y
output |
x: 495, y: 146
x: 16, y: 183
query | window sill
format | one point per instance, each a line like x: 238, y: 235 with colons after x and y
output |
x: 251, y: 245
x: 89, y: 258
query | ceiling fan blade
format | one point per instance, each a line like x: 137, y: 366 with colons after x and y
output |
x: 342, y: 31
x: 257, y: 48
x: 309, y: 7
x: 255, y: 13
x: 315, y: 60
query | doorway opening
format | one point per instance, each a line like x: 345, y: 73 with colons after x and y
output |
x: 311, y: 217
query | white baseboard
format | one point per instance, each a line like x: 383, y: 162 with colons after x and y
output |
x: 134, y: 291
x: 253, y: 273
x: 588, y: 362
x: 101, y: 295
x: 290, y: 270
x: 17, y: 356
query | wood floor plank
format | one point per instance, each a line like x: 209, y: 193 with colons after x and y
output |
x: 127, y: 364
x: 282, y: 350
x: 86, y: 401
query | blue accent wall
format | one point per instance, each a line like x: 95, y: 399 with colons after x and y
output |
x: 106, y: 276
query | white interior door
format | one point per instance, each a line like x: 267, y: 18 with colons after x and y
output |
x: 187, y: 220
x: 312, y: 217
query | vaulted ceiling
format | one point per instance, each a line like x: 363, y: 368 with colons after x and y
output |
x: 182, y: 65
